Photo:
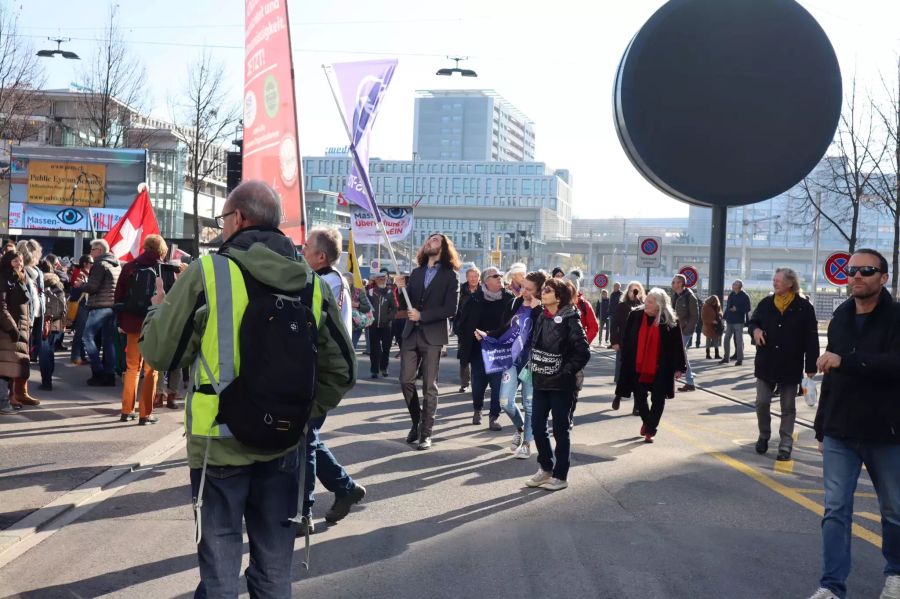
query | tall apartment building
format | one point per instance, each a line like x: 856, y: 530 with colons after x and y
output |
x: 470, y: 125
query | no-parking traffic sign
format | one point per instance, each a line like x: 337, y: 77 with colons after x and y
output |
x: 649, y: 253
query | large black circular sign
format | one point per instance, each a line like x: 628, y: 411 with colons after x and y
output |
x: 727, y: 102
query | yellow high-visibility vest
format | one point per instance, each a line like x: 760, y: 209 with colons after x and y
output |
x: 219, y: 361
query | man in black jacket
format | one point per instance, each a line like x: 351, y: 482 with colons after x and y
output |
x: 384, y: 309
x: 784, y: 330
x: 433, y: 291
x: 858, y: 420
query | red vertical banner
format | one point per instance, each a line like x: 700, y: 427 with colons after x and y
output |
x: 271, y: 152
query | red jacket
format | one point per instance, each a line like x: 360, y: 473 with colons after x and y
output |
x: 132, y: 323
x: 588, y: 318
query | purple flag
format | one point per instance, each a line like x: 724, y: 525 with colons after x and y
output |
x: 360, y: 87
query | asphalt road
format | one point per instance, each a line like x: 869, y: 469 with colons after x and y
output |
x: 696, y: 514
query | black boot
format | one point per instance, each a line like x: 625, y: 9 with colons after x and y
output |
x: 717, y: 354
x: 708, y: 357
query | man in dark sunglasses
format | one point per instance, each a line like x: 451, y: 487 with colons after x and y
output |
x: 858, y: 419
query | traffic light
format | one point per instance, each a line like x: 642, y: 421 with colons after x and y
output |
x: 234, y: 170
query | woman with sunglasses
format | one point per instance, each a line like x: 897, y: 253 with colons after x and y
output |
x: 559, y: 349
x: 517, y: 334
x: 653, y: 357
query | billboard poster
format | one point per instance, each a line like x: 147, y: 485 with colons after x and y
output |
x: 62, y: 218
x: 66, y: 183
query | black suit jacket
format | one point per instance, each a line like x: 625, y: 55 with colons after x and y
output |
x: 437, y: 304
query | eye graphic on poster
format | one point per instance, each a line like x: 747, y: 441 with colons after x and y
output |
x: 69, y: 216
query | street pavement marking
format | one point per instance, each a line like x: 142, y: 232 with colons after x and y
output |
x: 822, y: 492
x: 868, y: 516
x: 766, y: 481
x: 786, y: 467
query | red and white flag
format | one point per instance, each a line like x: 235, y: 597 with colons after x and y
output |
x: 127, y: 237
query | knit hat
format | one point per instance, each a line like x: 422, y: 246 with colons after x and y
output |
x: 557, y: 271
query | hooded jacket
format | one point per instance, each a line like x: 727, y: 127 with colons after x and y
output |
x: 101, y: 283
x: 173, y: 329
x: 859, y: 399
x: 128, y: 321
x: 559, y: 349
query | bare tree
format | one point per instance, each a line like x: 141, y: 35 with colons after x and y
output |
x: 21, y: 76
x: 116, y: 89
x: 205, y: 116
x: 885, y: 184
x: 842, y: 187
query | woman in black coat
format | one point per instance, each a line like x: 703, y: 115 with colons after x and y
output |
x: 652, y: 358
x: 15, y: 328
x: 631, y: 299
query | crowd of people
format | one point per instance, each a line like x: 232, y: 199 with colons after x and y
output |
x: 241, y: 320
x: 102, y: 302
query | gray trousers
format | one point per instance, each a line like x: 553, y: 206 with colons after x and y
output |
x: 416, y: 349
x: 736, y: 330
x: 764, y: 392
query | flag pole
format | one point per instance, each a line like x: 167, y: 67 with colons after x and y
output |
x: 366, y: 183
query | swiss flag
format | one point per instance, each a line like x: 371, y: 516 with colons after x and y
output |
x: 127, y: 237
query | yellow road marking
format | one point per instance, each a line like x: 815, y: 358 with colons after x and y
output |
x: 772, y: 484
x: 784, y: 467
x: 868, y: 516
x: 822, y: 492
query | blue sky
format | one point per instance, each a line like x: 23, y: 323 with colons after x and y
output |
x: 553, y: 61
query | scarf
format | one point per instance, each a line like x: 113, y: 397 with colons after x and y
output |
x: 647, y: 351
x: 490, y: 296
x: 783, y: 301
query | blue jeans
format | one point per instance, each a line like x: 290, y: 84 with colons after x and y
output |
x: 688, y: 373
x: 357, y: 333
x: 264, y: 495
x: 508, y: 384
x: 559, y: 403
x: 320, y: 463
x: 78, y: 336
x: 104, y: 321
x: 480, y: 382
x: 46, y: 356
x: 842, y: 462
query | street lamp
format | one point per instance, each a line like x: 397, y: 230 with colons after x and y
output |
x: 464, y: 72
x: 60, y: 51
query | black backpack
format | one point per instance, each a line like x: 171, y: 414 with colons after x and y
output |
x: 141, y: 289
x: 269, y: 403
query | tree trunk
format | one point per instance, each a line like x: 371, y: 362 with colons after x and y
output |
x: 196, y: 218
x: 895, y: 266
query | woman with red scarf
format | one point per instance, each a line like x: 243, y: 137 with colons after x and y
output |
x: 652, y: 358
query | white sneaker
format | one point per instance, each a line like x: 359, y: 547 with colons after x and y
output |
x: 554, y: 484
x: 523, y: 452
x: 891, y: 588
x: 539, y: 479
x: 516, y: 440
x: 824, y: 593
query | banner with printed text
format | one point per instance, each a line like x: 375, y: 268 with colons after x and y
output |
x: 66, y: 183
x: 271, y: 152
x: 397, y: 221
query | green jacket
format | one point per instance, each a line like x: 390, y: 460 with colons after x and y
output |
x: 172, y: 332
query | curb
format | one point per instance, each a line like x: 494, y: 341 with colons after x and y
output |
x: 43, y: 518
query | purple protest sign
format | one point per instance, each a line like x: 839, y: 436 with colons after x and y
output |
x: 360, y: 87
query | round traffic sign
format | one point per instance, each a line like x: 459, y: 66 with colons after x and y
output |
x: 649, y: 247
x: 754, y: 106
x: 690, y: 273
x: 374, y: 265
x: 836, y: 268
x: 601, y: 281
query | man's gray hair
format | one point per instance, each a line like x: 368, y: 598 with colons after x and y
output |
x: 328, y: 240
x: 100, y: 243
x: 258, y: 203
x: 790, y: 276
